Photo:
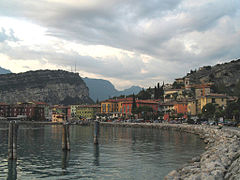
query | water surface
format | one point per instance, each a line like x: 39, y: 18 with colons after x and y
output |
x: 122, y: 153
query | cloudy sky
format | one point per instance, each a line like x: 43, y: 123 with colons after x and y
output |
x: 129, y: 42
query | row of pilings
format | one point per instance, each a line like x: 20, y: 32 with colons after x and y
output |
x: 13, y: 134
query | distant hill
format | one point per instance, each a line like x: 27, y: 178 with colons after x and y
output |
x: 226, y: 77
x: 50, y: 86
x: 4, y: 71
x: 102, y: 89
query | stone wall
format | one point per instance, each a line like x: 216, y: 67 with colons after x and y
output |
x: 221, y: 159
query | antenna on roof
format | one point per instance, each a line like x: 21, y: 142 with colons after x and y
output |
x: 75, y: 66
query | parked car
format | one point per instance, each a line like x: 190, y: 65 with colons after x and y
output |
x: 190, y: 121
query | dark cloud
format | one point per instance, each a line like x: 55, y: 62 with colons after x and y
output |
x: 179, y: 35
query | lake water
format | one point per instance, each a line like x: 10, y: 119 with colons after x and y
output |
x: 122, y: 153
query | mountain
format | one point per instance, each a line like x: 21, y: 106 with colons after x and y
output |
x: 4, y: 71
x: 225, y: 77
x: 102, y: 89
x: 50, y: 86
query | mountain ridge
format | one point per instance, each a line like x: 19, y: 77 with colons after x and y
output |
x: 4, y: 71
x: 100, y: 89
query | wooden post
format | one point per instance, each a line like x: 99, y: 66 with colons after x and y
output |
x: 12, y: 140
x: 65, y: 137
x: 96, y: 131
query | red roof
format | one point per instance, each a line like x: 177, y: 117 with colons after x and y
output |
x: 40, y: 103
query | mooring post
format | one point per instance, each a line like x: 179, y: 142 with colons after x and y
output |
x: 65, y: 137
x: 96, y: 131
x: 12, y: 140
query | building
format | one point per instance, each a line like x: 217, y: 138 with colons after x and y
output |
x: 61, y: 113
x: 4, y: 110
x: 58, y: 117
x: 217, y: 99
x: 166, y: 107
x: 74, y: 110
x: 180, y: 107
x: 46, y: 108
x: 202, y: 90
x: 127, y: 106
x: 88, y: 111
x: 187, y: 83
x: 192, y: 107
x: 29, y: 110
x: 113, y: 107
x: 179, y: 80
x: 173, y: 94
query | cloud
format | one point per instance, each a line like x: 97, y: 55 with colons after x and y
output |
x: 176, y: 36
x: 7, y: 36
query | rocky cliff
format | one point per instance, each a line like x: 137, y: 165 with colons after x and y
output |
x: 50, y: 86
x: 226, y: 77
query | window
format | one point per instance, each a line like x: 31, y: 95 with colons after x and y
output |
x: 213, y: 100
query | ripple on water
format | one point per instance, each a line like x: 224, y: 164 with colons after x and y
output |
x: 123, y: 153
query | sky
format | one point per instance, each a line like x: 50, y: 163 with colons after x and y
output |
x: 128, y: 42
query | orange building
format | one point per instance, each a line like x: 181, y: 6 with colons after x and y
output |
x: 127, y: 106
x: 181, y: 107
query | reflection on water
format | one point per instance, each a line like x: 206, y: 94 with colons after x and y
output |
x: 12, y: 171
x: 122, y: 153
x: 96, y: 155
x: 65, y: 159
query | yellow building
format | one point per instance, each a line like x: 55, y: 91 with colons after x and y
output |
x: 192, y: 107
x: 58, y: 117
x: 87, y: 111
x: 169, y: 93
x: 218, y: 99
x: 113, y: 105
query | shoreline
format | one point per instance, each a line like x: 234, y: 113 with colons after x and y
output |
x: 34, y: 122
x: 220, y: 160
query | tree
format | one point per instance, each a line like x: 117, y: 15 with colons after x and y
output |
x: 144, y: 94
x: 233, y: 111
x: 155, y: 93
x: 209, y: 110
x: 134, y: 105
x: 97, y: 102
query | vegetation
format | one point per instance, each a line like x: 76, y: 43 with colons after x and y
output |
x: 233, y: 111
x: 144, y: 94
x: 209, y: 110
x: 177, y: 85
x: 158, y: 92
